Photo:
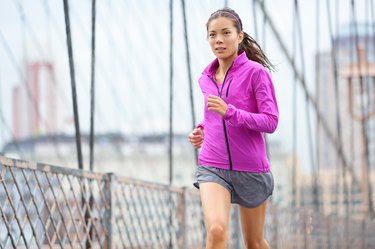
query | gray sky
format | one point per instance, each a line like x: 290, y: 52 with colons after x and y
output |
x: 132, y: 74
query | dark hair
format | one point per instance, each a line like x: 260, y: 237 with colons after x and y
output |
x: 249, y: 45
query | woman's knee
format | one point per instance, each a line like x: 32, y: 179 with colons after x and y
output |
x: 218, y: 231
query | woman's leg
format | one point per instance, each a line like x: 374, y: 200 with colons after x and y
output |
x: 216, y: 206
x: 252, y: 223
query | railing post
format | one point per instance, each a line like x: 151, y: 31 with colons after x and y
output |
x: 328, y: 224
x: 109, y: 190
x: 238, y: 242
x: 276, y: 227
x: 364, y: 233
x: 305, y: 224
x: 183, y: 219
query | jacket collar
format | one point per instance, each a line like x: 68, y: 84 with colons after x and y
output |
x: 239, y: 60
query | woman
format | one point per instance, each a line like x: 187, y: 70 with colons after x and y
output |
x: 240, y: 106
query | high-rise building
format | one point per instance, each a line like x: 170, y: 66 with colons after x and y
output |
x: 347, y: 103
x: 34, y: 103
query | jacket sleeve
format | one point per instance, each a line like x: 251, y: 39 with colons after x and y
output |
x: 200, y: 125
x: 266, y: 119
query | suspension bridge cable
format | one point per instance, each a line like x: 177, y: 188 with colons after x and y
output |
x: 132, y: 87
x: 117, y: 100
x: 2, y: 139
x: 337, y: 103
x: 255, y: 20
x: 124, y: 61
x: 312, y: 161
x: 170, y: 148
x: 372, y: 8
x: 317, y: 81
x: 311, y: 99
x: 73, y: 84
x: 367, y: 34
x: 368, y: 90
x: 364, y: 119
x: 58, y: 32
x: 27, y: 24
x: 135, y: 87
x: 264, y: 48
x: 92, y: 112
x: 79, y: 74
x: 294, y: 122
x: 170, y: 141
x: 48, y: 29
x: 92, y: 102
x: 345, y: 185
x: 51, y: 19
x: 81, y: 78
x: 370, y: 23
x: 264, y: 27
x: 189, y: 72
x: 352, y: 121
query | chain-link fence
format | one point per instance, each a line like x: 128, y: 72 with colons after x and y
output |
x: 47, y: 206
x: 44, y: 206
x: 294, y: 229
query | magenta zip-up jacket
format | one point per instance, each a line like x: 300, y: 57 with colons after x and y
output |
x: 236, y: 141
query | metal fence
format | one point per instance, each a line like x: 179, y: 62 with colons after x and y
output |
x: 44, y: 206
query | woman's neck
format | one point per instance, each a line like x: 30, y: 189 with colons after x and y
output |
x: 224, y: 65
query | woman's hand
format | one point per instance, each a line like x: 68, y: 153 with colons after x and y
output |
x: 216, y: 104
x: 196, y: 137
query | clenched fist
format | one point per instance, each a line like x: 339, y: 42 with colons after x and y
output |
x: 196, y: 137
x: 216, y: 104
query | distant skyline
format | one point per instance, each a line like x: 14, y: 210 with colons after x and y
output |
x: 132, y: 74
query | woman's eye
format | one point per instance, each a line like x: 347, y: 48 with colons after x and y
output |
x: 211, y: 35
x: 227, y: 33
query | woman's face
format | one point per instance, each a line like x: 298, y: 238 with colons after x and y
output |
x: 223, y: 38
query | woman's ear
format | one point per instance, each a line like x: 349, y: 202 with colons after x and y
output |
x: 240, y: 37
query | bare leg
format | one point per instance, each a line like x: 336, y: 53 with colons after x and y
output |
x: 252, y: 223
x: 216, y: 206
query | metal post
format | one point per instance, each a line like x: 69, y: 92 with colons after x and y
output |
x: 238, y: 243
x: 329, y: 232
x: 276, y: 228
x: 364, y: 233
x: 110, y: 188
x: 305, y: 230
x: 183, y: 209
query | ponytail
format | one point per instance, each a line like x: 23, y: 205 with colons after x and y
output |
x: 254, y: 52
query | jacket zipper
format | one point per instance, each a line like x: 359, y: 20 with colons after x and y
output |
x: 230, y: 82
x: 224, y: 125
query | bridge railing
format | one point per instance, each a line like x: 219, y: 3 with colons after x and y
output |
x: 44, y: 206
x: 48, y: 206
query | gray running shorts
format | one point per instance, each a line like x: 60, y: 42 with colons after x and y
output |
x: 248, y: 189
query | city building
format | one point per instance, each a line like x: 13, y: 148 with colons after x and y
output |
x: 34, y: 104
x: 347, y: 105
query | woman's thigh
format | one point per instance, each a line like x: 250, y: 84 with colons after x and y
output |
x: 216, y: 203
x: 253, y: 221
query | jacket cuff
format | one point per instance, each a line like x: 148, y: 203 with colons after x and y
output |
x: 200, y: 126
x: 230, y: 112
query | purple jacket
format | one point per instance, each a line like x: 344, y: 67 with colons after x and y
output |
x: 236, y: 141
